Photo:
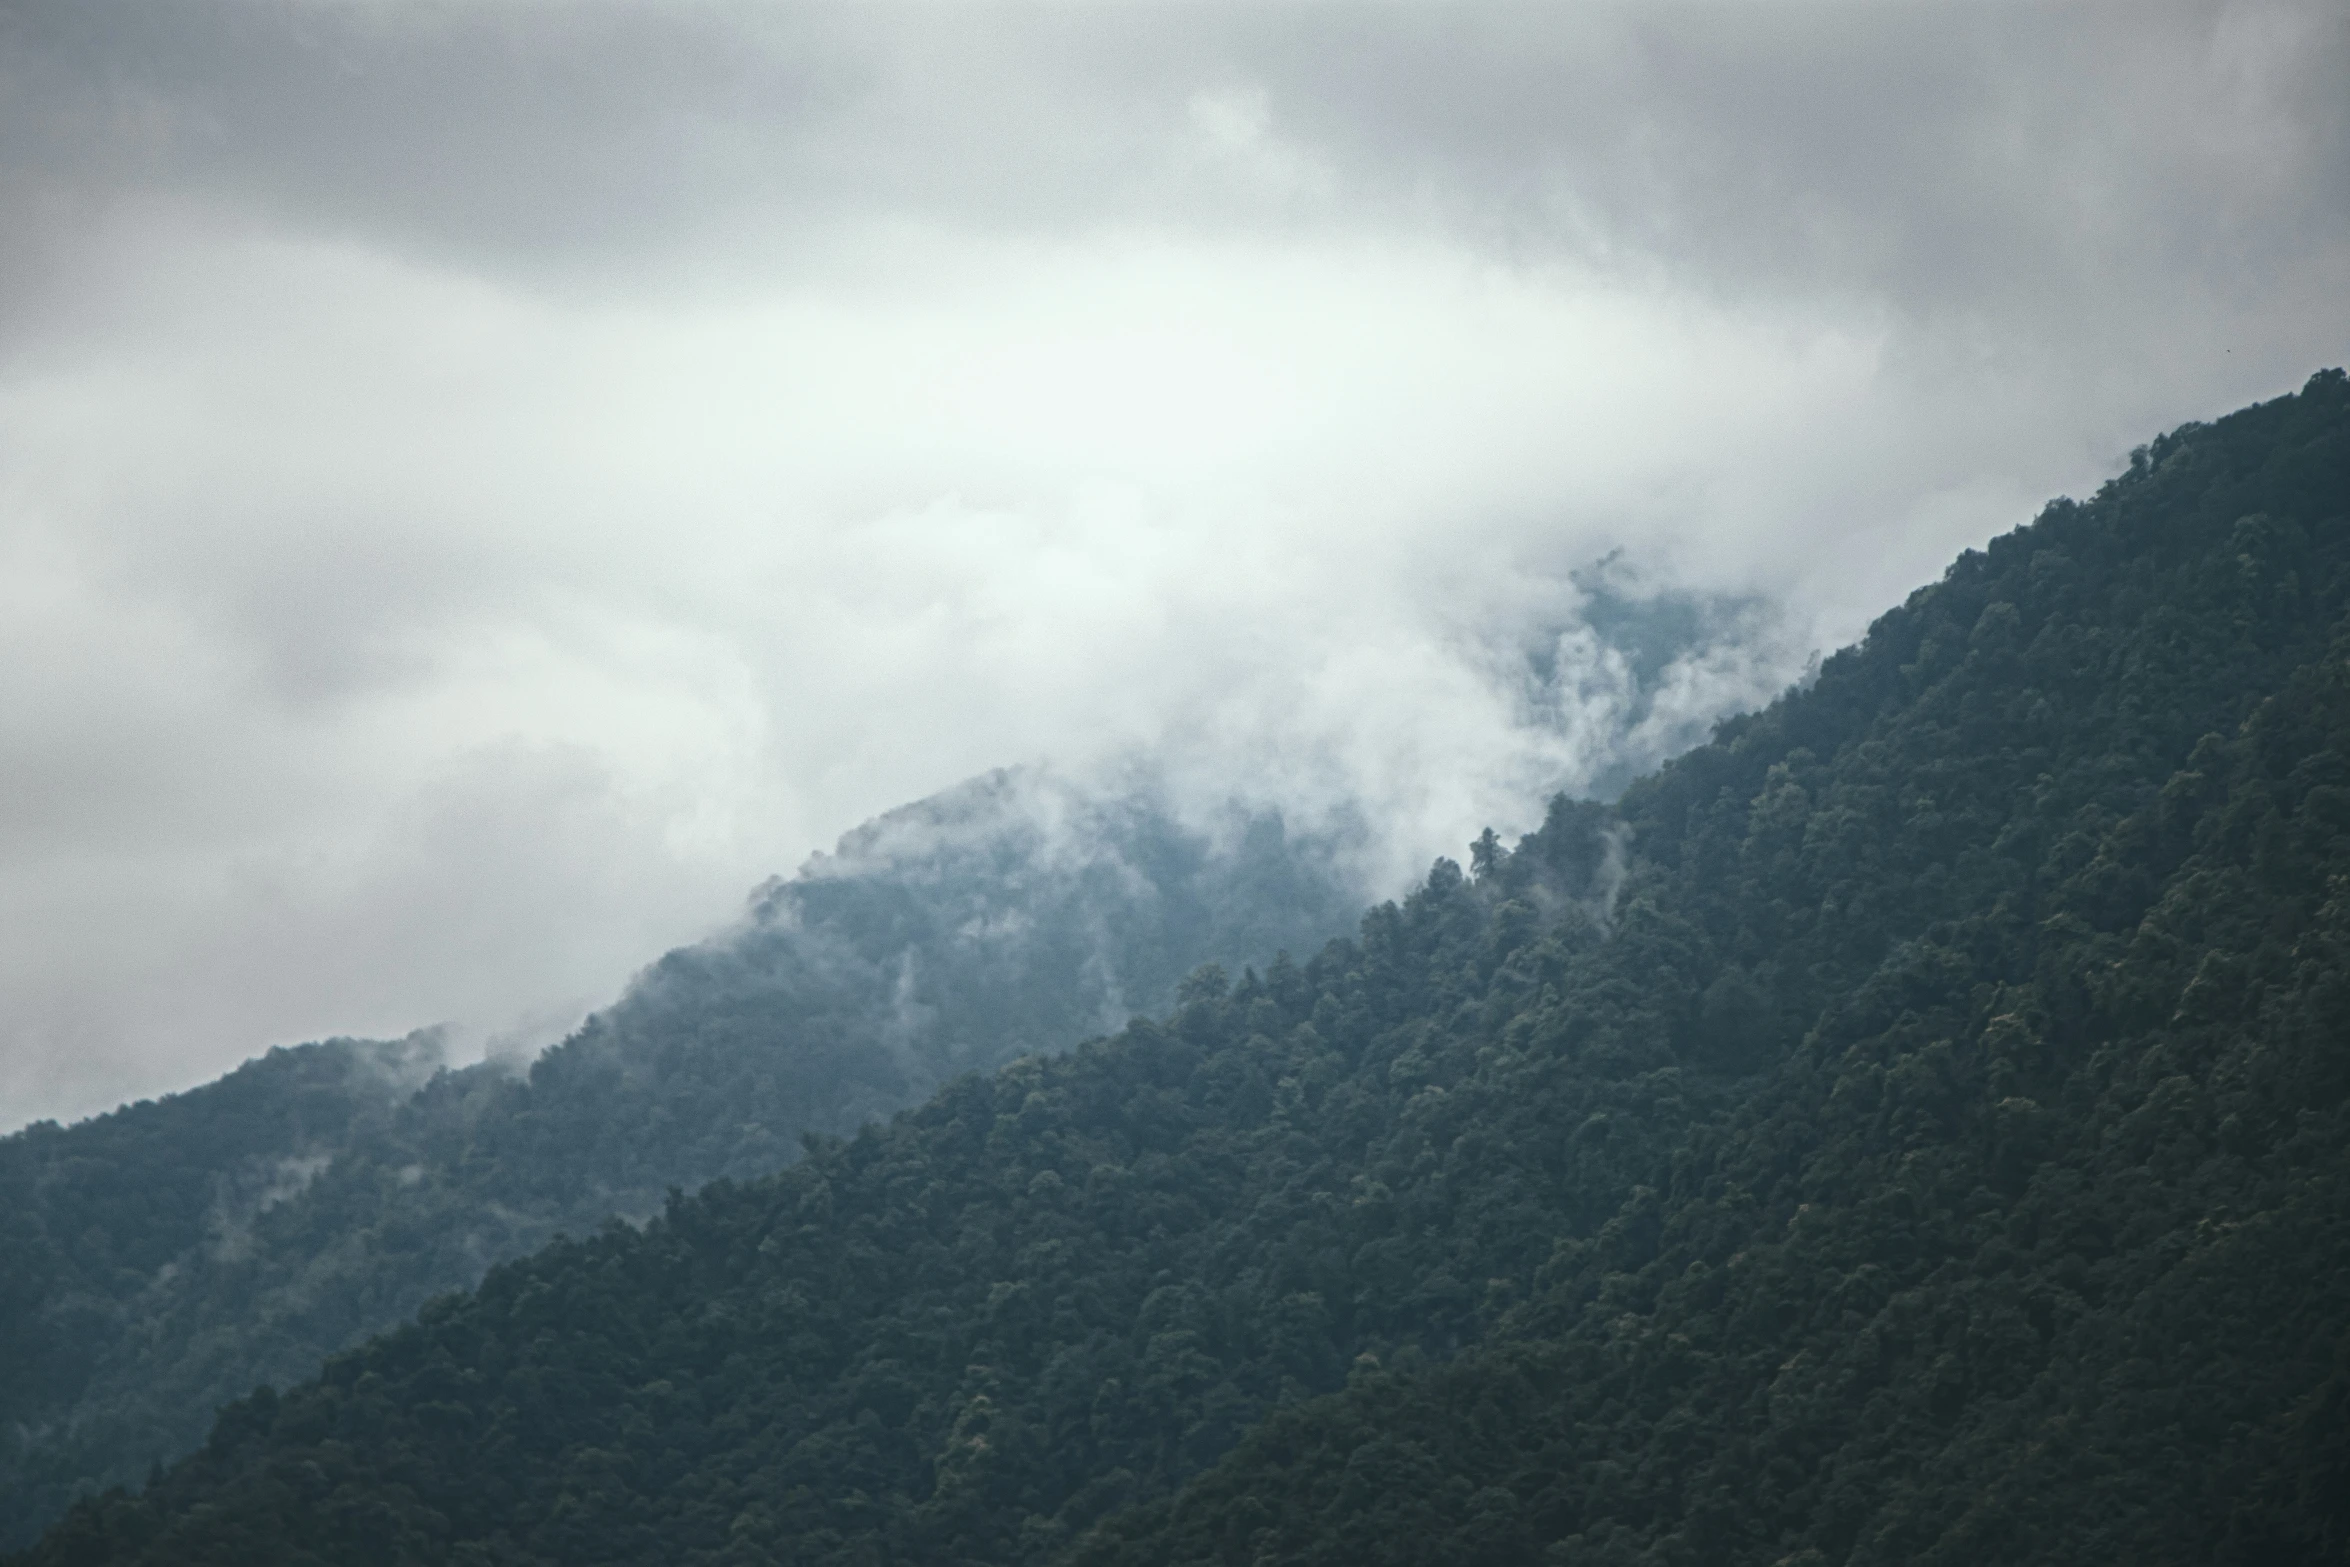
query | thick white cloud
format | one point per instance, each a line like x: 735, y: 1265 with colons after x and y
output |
x: 479, y: 487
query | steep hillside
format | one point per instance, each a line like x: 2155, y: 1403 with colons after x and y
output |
x: 164, y: 1260
x: 1914, y: 1125
x: 2034, y: 1246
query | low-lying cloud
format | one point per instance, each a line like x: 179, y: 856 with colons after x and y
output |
x: 482, y: 485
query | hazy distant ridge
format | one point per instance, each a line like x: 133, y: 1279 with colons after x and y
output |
x: 165, y: 1259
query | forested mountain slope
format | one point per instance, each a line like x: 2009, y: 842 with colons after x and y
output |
x: 161, y: 1261
x: 1914, y: 1126
x: 2036, y: 1249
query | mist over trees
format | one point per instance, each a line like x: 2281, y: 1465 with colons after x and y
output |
x: 170, y: 1257
x: 1914, y: 1126
x: 163, y: 1260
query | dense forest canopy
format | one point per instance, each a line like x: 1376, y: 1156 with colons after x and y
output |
x: 1913, y: 1127
x: 161, y: 1261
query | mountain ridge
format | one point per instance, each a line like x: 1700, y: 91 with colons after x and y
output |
x: 1933, y: 1149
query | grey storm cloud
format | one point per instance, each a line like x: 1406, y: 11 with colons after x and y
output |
x: 483, y: 484
x: 1939, y: 157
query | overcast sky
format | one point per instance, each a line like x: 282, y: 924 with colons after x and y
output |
x: 483, y: 484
